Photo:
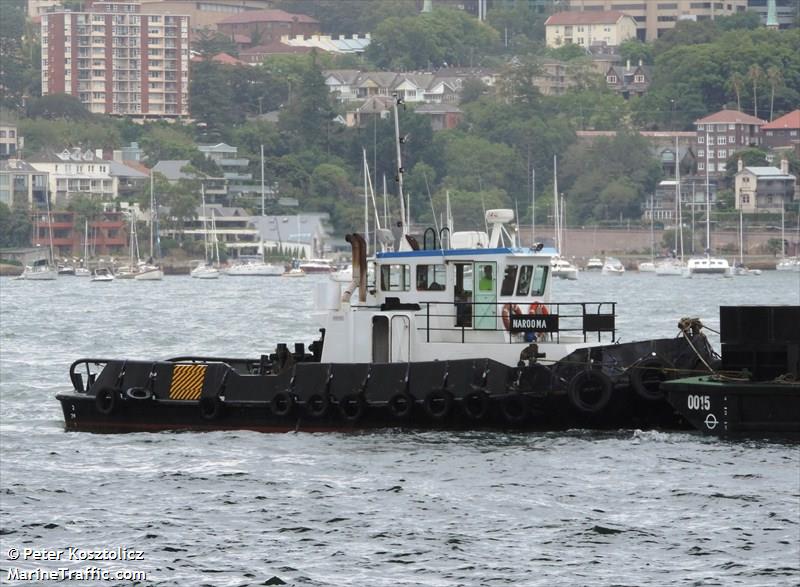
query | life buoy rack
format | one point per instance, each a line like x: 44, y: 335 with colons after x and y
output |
x: 647, y: 375
x: 317, y: 404
x: 210, y: 408
x: 106, y: 400
x: 507, y: 312
x: 590, y: 391
x: 282, y: 403
x: 352, y: 407
x: 438, y: 403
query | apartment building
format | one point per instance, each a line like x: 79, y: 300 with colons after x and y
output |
x: 9, y: 140
x: 74, y: 172
x: 22, y: 185
x: 589, y: 28
x: 723, y: 133
x: 654, y: 17
x: 117, y: 60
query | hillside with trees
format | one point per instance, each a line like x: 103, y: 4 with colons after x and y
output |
x: 508, y: 132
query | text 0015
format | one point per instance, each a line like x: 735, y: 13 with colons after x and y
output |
x: 698, y: 402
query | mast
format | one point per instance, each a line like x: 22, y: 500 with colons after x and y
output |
x: 205, y: 226
x: 216, y: 241
x: 783, y: 230
x: 152, y: 215
x: 263, y: 199
x: 385, y: 204
x: 708, y: 203
x: 400, y: 169
x: 741, y: 237
x: 366, y: 204
x: 49, y: 229
x: 678, y: 199
x: 556, y: 212
x: 533, y: 206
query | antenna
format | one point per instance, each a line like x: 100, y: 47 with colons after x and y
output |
x: 400, y: 169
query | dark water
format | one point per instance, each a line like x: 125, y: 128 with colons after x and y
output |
x: 384, y: 508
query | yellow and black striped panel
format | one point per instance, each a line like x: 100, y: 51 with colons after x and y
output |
x: 187, y: 382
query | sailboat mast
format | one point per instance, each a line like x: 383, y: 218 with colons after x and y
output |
x: 678, y: 198
x: 533, y: 206
x: 366, y: 203
x: 404, y: 227
x: 556, y: 213
x: 263, y: 196
x: 49, y: 228
x: 708, y: 202
x: 205, y: 226
x: 385, y: 204
x: 152, y: 217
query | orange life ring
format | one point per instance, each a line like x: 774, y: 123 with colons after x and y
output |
x: 538, y: 309
x: 509, y: 309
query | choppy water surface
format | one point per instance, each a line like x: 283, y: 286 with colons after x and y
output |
x: 384, y: 508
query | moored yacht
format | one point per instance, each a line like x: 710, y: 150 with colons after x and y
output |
x: 563, y: 269
x: 613, y: 266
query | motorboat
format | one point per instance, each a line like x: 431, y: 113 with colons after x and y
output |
x: 788, y: 264
x: 670, y: 267
x: 563, y: 269
x: 647, y: 267
x: 203, y: 270
x: 254, y: 267
x: 613, y: 266
x: 317, y: 266
x: 102, y: 274
x: 294, y: 272
x: 594, y: 264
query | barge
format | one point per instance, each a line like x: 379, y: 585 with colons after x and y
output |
x: 756, y: 390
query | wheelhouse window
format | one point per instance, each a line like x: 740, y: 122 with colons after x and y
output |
x: 431, y: 277
x: 509, y: 279
x: 532, y: 280
x: 395, y: 278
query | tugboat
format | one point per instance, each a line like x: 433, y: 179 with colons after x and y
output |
x: 464, y: 336
x: 756, y: 391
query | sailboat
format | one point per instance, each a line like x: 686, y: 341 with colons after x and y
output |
x: 675, y: 266
x: 559, y: 266
x: 708, y: 265
x: 788, y: 263
x: 43, y: 269
x: 83, y: 270
x: 740, y: 268
x: 150, y: 271
x: 204, y: 269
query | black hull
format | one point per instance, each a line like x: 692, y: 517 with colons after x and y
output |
x: 611, y: 387
x: 523, y: 413
x: 737, y: 409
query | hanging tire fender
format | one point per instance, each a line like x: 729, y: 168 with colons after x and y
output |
x: 438, y: 403
x: 514, y: 407
x: 317, y: 404
x: 105, y: 400
x: 475, y: 405
x: 352, y: 407
x: 210, y: 408
x: 593, y: 382
x: 647, y: 375
x: 401, y: 405
x: 138, y: 393
x: 281, y: 403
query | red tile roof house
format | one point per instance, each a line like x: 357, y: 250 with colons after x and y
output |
x: 783, y: 132
x: 262, y: 27
x: 722, y: 134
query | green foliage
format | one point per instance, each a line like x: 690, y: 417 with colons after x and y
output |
x: 750, y: 156
x: 433, y: 39
x: 15, y: 226
x: 518, y: 79
x: 209, y: 43
x: 349, y: 16
x: 311, y: 111
x: 85, y: 208
x: 472, y: 89
x: 57, y: 106
x: 517, y: 25
x: 635, y: 51
x: 21, y: 66
x: 95, y: 133
x: 163, y: 142
x: 567, y: 52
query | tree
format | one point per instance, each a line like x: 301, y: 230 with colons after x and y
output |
x: 750, y: 156
x: 311, y: 113
x: 161, y: 142
x: 209, y: 43
x: 15, y: 226
x: 57, y: 106
x: 85, y: 208
x: 214, y: 103
x: 634, y: 50
x: 775, y: 79
x: 517, y: 82
x: 755, y: 73
x: 736, y: 83
x: 472, y: 89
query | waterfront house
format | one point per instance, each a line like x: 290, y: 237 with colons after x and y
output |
x: 764, y: 189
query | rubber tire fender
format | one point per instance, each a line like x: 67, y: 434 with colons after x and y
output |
x: 514, y: 407
x: 210, y: 408
x: 105, y: 401
x: 438, y: 404
x: 317, y: 404
x: 352, y: 407
x: 475, y: 405
x: 138, y: 393
x: 584, y: 379
x: 639, y: 373
x: 401, y: 405
x: 281, y: 404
